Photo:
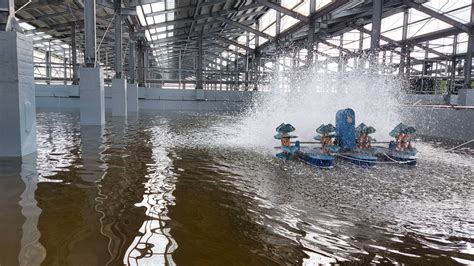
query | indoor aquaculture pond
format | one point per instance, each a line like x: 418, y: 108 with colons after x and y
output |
x: 182, y: 188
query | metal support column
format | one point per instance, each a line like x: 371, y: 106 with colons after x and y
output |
x: 311, y: 28
x: 75, y: 76
x: 65, y: 67
x: 90, y: 33
x: 401, y: 68
x: 384, y: 60
x: 256, y: 64
x: 131, y: 61
x: 180, y: 66
x: 424, y: 69
x: 340, y: 65
x: 7, y: 14
x: 469, y: 53
x: 141, y: 64
x: 247, y: 59
x: 453, y: 65
x: 48, y: 64
x: 361, y: 48
x: 376, y: 27
x: 408, y: 62
x: 146, y: 65
x: 118, y: 39
x: 199, y: 74
x: 277, y: 25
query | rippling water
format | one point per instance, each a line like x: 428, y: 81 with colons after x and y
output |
x: 173, y: 188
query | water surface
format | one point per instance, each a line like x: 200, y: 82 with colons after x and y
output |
x: 173, y: 188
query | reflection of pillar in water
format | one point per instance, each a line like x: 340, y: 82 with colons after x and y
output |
x: 92, y: 139
x: 20, y: 236
x: 32, y: 252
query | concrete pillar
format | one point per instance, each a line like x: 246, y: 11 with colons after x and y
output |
x: 132, y: 98
x: 17, y: 96
x: 119, y: 97
x: 91, y: 89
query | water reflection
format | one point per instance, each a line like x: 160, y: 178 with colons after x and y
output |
x: 58, y: 144
x: 154, y: 244
x: 19, y: 243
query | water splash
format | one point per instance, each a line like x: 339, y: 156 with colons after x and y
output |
x: 309, y: 98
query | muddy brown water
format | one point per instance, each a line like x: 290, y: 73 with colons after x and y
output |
x: 156, y: 190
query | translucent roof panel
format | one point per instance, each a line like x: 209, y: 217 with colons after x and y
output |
x: 426, y: 26
x: 267, y: 19
x: 287, y: 21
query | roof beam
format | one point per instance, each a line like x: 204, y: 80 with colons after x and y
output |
x: 318, y: 14
x: 234, y: 43
x: 178, y: 9
x: 436, y: 15
x: 226, y: 49
x: 245, y: 27
x: 284, y: 10
x: 399, y: 44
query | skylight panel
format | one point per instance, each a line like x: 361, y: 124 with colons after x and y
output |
x: 160, y: 18
x: 156, y: 7
x: 170, y: 4
x: 149, y: 20
x: 162, y: 36
x: 160, y: 29
x: 170, y: 34
x: 170, y: 16
x: 146, y: 9
x: 170, y: 27
x: 140, y: 15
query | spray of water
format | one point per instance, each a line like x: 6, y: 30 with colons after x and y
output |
x: 311, y: 97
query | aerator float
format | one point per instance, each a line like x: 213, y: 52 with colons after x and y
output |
x: 347, y: 142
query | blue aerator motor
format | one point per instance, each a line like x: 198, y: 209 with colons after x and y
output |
x: 345, y: 129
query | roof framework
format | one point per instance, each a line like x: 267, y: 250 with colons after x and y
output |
x: 244, y: 39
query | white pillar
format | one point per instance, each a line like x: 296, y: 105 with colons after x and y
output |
x: 132, y: 97
x: 17, y: 96
x: 91, y: 89
x: 119, y: 97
